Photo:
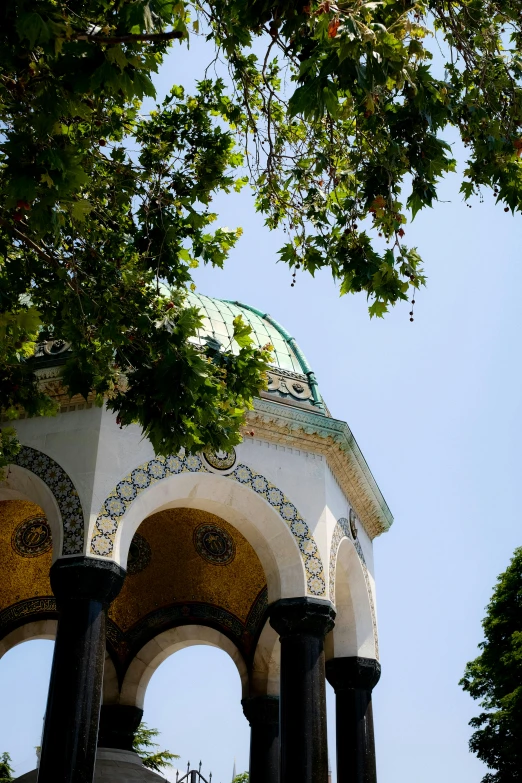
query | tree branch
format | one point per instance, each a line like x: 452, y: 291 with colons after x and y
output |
x: 37, y: 249
x: 129, y: 38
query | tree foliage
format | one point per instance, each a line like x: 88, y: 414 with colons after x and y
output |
x: 243, y: 777
x: 337, y: 125
x: 495, y: 679
x: 6, y: 771
x: 145, y: 747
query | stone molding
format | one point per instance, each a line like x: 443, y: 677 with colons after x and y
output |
x: 332, y: 438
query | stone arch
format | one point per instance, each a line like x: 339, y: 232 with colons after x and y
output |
x: 157, y: 650
x: 37, y: 629
x: 111, y: 686
x: 355, y: 631
x: 243, y: 497
x: 35, y: 476
x: 265, y: 672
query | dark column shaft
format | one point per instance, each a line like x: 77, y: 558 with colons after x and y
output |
x: 355, y: 740
x: 302, y: 625
x: 118, y: 725
x: 262, y: 713
x: 83, y: 589
x: 353, y: 680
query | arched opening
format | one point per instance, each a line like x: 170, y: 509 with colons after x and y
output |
x: 242, y: 508
x: 187, y: 568
x: 353, y: 634
x: 194, y: 699
x: 24, y: 680
x: 152, y: 655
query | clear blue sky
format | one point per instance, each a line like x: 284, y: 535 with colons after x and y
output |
x: 435, y: 407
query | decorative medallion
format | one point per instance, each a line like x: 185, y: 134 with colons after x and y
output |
x: 220, y: 460
x: 214, y: 544
x: 353, y: 524
x: 139, y: 556
x: 32, y: 537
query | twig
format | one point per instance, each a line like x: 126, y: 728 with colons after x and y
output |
x: 152, y: 37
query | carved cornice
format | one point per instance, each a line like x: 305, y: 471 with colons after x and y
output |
x: 333, y: 438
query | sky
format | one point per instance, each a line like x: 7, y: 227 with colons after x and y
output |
x: 435, y: 407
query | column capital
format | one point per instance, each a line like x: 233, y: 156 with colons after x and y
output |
x: 353, y: 673
x: 87, y: 579
x: 261, y: 710
x: 295, y: 616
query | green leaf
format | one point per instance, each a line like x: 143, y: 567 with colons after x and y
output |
x: 81, y: 209
x: 378, y: 309
x: 242, y: 332
x: 31, y: 27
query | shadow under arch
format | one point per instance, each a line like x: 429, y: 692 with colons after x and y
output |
x: 286, y: 568
x: 354, y: 633
x: 153, y: 653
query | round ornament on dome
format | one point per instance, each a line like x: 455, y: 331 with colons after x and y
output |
x: 140, y: 554
x: 353, y: 524
x: 220, y: 460
x: 32, y: 537
x: 214, y: 544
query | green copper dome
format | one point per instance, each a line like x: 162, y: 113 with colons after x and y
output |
x: 218, y: 317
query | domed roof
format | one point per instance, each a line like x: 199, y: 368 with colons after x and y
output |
x: 218, y: 323
x: 288, y: 359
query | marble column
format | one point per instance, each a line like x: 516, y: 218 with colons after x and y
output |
x: 302, y: 624
x: 118, y: 725
x: 353, y: 680
x: 262, y: 712
x: 84, y: 588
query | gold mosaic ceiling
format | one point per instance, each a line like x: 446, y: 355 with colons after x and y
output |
x: 25, y: 552
x: 178, y: 556
x: 187, y: 555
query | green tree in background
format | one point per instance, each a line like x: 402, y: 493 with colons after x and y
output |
x: 145, y: 747
x: 242, y: 778
x: 6, y: 771
x: 495, y: 679
x: 334, y: 116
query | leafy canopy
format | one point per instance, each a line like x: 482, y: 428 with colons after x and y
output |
x: 145, y: 747
x: 495, y: 680
x: 337, y: 125
x: 243, y: 777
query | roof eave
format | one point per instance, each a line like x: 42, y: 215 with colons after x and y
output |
x: 334, y: 439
